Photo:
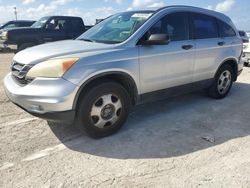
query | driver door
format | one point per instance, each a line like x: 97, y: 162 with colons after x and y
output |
x: 168, y: 65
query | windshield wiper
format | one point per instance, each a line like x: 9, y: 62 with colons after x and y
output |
x: 88, y: 40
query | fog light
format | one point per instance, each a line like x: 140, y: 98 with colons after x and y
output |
x: 37, y: 108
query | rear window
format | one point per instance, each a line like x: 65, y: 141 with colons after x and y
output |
x: 204, y: 26
x: 226, y: 30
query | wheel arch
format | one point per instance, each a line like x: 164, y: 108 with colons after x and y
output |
x: 117, y: 76
x: 233, y: 63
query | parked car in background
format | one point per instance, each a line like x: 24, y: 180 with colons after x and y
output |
x: 244, y: 36
x: 47, y: 29
x: 12, y: 25
x: 16, y: 24
x: 128, y: 58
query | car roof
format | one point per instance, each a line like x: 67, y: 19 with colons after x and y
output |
x: 191, y: 9
x: 56, y: 16
x: 20, y: 21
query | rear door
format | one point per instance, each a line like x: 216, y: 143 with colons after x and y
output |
x: 209, y: 48
x: 169, y: 65
x: 229, y: 38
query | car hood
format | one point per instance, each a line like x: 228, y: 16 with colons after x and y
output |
x: 56, y: 49
x: 20, y: 31
x: 14, y: 28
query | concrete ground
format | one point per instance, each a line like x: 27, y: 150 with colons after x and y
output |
x: 188, y: 141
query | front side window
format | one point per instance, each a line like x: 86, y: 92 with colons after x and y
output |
x: 174, y: 25
x: 117, y: 28
x: 226, y: 30
x: 204, y: 26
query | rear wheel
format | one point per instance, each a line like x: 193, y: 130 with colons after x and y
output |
x: 222, y: 82
x: 103, y: 109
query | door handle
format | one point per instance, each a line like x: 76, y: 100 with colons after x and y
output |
x: 187, y: 47
x: 221, y: 43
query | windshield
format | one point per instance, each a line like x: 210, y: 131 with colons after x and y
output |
x: 40, y: 23
x: 117, y: 28
x: 3, y: 25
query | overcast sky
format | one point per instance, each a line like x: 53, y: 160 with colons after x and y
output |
x: 89, y: 10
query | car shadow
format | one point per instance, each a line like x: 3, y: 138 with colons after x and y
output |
x: 168, y: 128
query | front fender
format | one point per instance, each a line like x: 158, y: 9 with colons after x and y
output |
x: 123, y: 61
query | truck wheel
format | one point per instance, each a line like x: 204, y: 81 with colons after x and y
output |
x: 103, y: 109
x: 246, y: 64
x: 24, y: 46
x: 222, y: 82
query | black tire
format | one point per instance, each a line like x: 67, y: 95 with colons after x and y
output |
x: 246, y: 64
x: 24, y: 46
x: 214, y: 91
x: 88, y: 123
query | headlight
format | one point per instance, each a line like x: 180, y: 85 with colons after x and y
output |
x: 4, y: 35
x: 53, y: 68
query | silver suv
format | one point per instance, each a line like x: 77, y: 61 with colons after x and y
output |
x: 127, y: 59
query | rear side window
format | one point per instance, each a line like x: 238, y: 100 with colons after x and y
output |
x: 204, y: 26
x: 225, y: 29
x: 174, y: 25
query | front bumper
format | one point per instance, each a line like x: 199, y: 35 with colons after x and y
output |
x: 50, y: 99
x: 5, y: 45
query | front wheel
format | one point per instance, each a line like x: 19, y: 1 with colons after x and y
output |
x: 103, y: 109
x: 222, y: 82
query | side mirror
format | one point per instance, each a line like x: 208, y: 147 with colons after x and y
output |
x: 156, y: 39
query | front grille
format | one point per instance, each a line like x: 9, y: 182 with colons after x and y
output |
x: 19, y: 72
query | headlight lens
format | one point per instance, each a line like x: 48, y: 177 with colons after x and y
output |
x: 4, y: 35
x: 53, y: 68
